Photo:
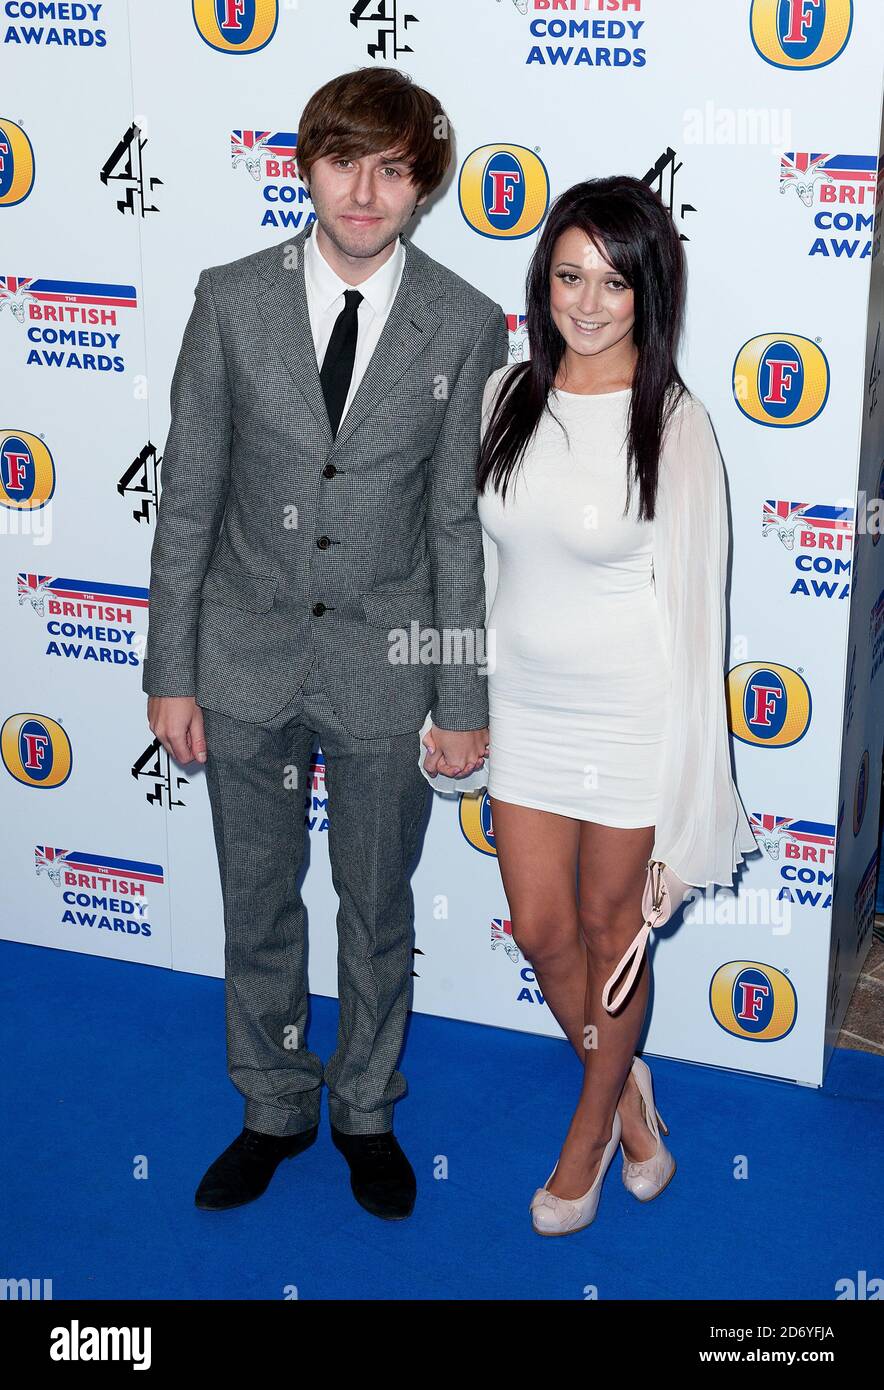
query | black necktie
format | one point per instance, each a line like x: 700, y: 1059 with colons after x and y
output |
x: 337, y: 365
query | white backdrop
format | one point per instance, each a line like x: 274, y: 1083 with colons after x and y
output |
x: 141, y: 142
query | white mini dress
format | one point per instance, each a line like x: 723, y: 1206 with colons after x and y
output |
x: 606, y: 635
x: 579, y: 678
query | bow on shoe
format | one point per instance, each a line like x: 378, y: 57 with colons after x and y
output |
x: 566, y: 1210
x: 663, y: 893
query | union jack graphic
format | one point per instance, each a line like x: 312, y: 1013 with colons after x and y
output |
x: 11, y: 285
x: 52, y: 861
x: 33, y: 588
x: 14, y: 294
x: 502, y: 935
x: 15, y: 290
x: 783, y: 518
x: 250, y: 147
x: 518, y: 336
x: 803, y: 170
x: 772, y: 832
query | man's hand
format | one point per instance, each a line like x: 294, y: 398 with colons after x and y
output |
x: 455, y: 752
x: 177, y: 721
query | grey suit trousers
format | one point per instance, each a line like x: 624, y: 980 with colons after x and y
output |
x: 257, y: 775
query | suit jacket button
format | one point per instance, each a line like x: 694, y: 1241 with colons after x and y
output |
x: 323, y: 542
x: 329, y: 471
x: 318, y: 609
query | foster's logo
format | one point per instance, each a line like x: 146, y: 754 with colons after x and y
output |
x: 35, y: 750
x: 753, y: 1001
x: 236, y: 26
x: 781, y: 380
x: 769, y: 704
x: 800, y: 33
x: 504, y: 191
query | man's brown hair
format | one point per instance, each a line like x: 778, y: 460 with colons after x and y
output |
x: 372, y: 110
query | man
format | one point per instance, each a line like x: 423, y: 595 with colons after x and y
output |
x: 318, y: 492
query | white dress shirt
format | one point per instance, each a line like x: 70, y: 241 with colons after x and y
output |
x: 325, y: 300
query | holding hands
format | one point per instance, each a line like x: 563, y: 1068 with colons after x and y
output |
x: 455, y: 752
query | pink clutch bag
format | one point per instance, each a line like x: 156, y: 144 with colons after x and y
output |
x: 664, y: 893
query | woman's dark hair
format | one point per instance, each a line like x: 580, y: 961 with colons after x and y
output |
x: 633, y: 230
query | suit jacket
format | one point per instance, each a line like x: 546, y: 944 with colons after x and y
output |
x: 275, y: 538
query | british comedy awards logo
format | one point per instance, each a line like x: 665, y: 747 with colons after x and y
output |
x: 817, y: 541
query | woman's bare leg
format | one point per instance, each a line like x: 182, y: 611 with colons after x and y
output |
x: 612, y: 869
x: 537, y: 854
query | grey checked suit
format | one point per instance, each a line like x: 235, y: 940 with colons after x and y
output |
x: 283, y: 556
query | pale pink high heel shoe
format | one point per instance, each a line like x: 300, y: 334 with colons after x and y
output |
x: 647, y: 1180
x: 562, y: 1216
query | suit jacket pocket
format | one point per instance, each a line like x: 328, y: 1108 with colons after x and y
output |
x: 403, y: 403
x: 398, y: 609
x: 235, y: 588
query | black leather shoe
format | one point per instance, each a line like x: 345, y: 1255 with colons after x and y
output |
x: 381, y: 1177
x: 246, y: 1166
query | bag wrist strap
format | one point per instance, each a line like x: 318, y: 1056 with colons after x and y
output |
x: 634, y: 952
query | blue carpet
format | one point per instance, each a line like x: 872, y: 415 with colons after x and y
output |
x: 107, y: 1061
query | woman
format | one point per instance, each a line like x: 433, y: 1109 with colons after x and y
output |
x: 602, y: 493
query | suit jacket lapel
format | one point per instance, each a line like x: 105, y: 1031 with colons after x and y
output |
x: 282, y: 303
x: 411, y: 322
